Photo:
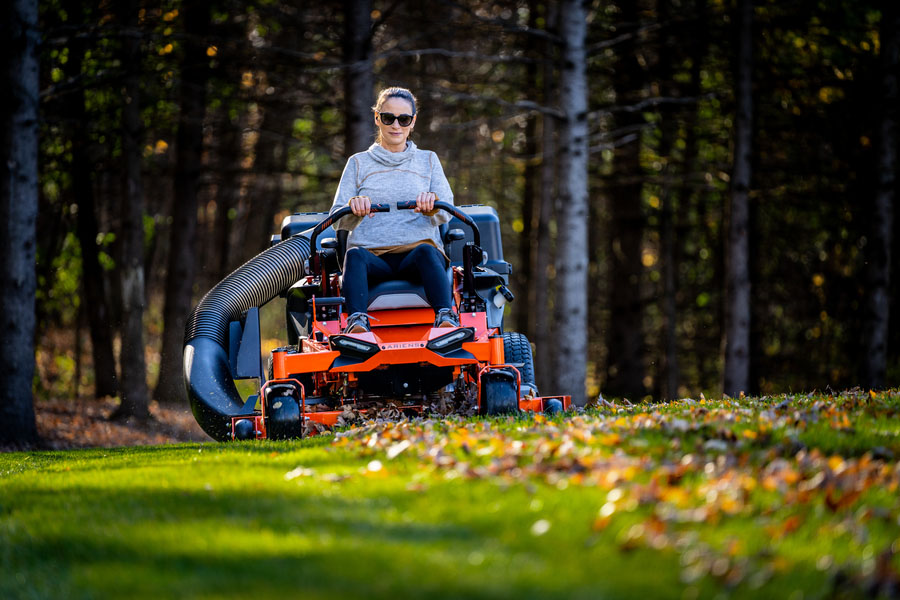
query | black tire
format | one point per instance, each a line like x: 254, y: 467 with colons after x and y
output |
x: 517, y: 350
x: 283, y: 419
x: 498, y: 393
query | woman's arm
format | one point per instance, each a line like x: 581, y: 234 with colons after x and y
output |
x: 347, y: 189
x: 441, y: 188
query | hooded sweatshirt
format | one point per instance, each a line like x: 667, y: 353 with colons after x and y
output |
x: 387, y: 178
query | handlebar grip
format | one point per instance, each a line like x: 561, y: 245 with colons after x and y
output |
x: 382, y: 207
x: 450, y: 208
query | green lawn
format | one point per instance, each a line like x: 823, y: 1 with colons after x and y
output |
x: 786, y: 497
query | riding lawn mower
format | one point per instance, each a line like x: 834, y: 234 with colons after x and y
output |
x: 404, y: 362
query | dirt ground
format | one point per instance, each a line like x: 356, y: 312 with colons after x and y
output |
x: 84, y: 423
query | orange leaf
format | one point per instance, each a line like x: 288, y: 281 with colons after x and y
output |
x: 791, y: 524
x: 838, y: 503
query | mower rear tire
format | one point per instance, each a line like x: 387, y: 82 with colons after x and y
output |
x: 517, y: 350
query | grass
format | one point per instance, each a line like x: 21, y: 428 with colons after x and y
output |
x: 776, y: 497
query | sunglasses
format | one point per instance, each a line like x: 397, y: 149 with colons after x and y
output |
x: 389, y: 118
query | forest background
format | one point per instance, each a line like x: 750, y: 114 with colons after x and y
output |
x: 696, y: 195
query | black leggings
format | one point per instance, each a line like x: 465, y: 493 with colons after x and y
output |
x: 423, y: 263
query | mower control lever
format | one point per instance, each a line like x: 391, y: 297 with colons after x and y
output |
x: 446, y: 206
x: 339, y: 214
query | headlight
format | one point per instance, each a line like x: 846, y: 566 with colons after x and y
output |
x: 347, y: 345
x: 451, y: 341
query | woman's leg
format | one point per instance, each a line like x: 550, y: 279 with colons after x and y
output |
x: 361, y: 267
x: 429, y: 264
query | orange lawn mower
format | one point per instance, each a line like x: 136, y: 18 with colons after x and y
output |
x: 404, y: 362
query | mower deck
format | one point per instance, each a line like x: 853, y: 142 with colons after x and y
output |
x: 329, y: 418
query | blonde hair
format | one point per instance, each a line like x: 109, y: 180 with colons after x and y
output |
x: 392, y: 92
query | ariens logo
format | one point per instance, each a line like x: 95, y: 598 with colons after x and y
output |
x: 402, y: 345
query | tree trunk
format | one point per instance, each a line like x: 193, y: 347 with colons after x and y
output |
x: 227, y: 194
x: 625, y: 367
x: 543, y: 255
x: 737, y: 316
x: 189, y: 164
x: 692, y: 202
x: 668, y: 259
x: 93, y: 280
x: 271, y: 162
x: 18, y: 215
x: 228, y: 124
x: 83, y: 194
x: 523, y: 309
x: 359, y: 80
x: 878, y: 272
x: 135, y: 396
x: 571, y: 245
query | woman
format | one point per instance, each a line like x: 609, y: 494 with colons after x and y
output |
x: 401, y: 244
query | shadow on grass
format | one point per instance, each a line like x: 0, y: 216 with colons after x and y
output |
x: 224, y: 544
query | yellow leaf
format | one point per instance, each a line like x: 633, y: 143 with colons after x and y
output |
x: 611, y: 439
x: 730, y: 506
x: 836, y: 464
x: 674, y: 495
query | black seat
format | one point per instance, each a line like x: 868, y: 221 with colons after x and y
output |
x: 397, y: 293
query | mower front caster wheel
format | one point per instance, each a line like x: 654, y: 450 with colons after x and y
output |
x: 499, y: 393
x: 283, y: 420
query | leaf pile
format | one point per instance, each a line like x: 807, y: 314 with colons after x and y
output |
x: 817, y: 471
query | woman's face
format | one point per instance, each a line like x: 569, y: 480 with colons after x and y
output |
x: 393, y: 136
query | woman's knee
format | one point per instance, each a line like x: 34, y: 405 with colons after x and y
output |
x: 425, y: 253
x: 355, y: 258
x: 355, y: 254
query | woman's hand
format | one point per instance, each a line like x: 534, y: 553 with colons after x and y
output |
x: 361, y: 205
x: 425, y: 202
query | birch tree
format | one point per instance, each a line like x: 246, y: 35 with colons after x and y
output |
x: 737, y: 313
x: 18, y: 214
x: 571, y: 248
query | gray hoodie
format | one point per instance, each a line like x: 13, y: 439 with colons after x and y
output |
x: 387, y: 178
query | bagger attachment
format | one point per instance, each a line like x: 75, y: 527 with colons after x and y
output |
x: 403, y: 362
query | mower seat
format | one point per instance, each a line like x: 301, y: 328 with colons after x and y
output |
x: 397, y: 293
x: 400, y: 293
